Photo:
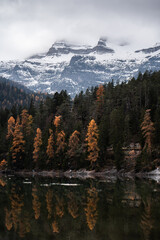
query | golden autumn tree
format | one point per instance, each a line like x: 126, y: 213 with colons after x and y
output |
x: 26, y: 121
x: 37, y: 145
x: 28, y: 133
x: 24, y: 118
x: 56, y: 122
x: 100, y: 94
x: 3, y: 164
x: 91, y: 208
x: 73, y: 144
x: 50, y: 149
x: 29, y: 125
x: 92, y: 141
x: 148, y: 129
x: 60, y: 142
x: 18, y: 144
x: 11, y: 126
x: 100, y: 101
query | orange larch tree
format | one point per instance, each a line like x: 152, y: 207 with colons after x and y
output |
x: 92, y: 141
x: 100, y: 94
x: 50, y: 149
x: 100, y: 101
x: 26, y: 121
x: 18, y: 144
x: 56, y: 122
x: 3, y: 164
x: 148, y: 129
x: 73, y: 144
x: 11, y: 126
x: 37, y: 145
x: 24, y: 118
x: 29, y: 128
x: 28, y: 133
x: 60, y: 142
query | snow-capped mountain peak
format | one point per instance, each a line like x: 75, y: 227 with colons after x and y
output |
x: 153, y: 49
x: 63, y: 47
x: 75, y: 67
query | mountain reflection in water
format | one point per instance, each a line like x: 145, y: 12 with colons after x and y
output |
x: 41, y: 208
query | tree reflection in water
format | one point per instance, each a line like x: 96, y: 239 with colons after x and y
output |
x: 36, y: 203
x: 72, y: 205
x: 91, y: 208
x: 49, y: 202
x: 146, y: 219
x: 87, y: 210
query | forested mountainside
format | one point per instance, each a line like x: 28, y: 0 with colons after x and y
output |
x: 108, y: 125
x: 14, y: 94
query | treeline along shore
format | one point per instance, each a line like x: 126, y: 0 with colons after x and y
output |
x: 105, y: 127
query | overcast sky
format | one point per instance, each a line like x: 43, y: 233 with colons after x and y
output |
x: 31, y: 26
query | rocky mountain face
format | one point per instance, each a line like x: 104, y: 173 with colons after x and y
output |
x: 77, y: 67
x: 59, y: 48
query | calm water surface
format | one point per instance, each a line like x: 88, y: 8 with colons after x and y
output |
x: 45, y: 208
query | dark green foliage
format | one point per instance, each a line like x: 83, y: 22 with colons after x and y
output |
x: 14, y: 95
x: 118, y: 155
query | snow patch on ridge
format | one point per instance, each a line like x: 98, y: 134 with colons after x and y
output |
x: 75, y: 71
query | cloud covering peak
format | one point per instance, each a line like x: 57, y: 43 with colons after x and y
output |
x: 28, y: 27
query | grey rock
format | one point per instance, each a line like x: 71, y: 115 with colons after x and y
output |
x: 75, y: 68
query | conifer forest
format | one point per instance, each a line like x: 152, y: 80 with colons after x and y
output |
x: 116, y: 125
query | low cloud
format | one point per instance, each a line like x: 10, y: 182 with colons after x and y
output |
x: 28, y: 27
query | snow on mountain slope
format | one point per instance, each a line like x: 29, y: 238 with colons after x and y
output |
x: 75, y: 67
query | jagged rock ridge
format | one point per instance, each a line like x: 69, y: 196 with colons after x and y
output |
x: 75, y: 67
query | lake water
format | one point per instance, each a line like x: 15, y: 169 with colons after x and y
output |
x: 47, y: 209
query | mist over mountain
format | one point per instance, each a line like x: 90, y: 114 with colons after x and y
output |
x: 77, y: 67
